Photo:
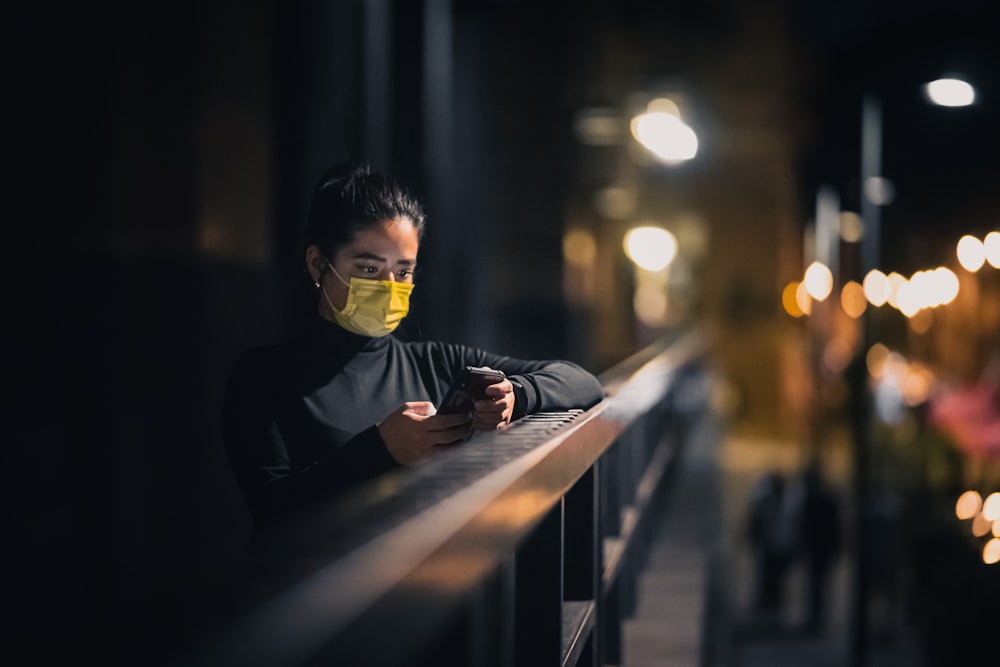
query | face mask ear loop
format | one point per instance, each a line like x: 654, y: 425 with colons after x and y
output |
x: 327, y: 298
x: 322, y: 289
x: 337, y: 274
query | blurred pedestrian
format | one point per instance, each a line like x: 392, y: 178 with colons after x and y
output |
x: 820, y: 540
x: 773, y: 534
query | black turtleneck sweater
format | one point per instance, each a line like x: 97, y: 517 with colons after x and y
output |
x: 299, y: 417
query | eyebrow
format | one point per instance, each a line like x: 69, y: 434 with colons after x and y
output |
x: 379, y: 258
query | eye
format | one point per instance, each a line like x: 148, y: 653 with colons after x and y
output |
x: 405, y: 273
x: 367, y: 269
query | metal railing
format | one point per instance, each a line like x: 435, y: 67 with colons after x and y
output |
x: 519, y: 548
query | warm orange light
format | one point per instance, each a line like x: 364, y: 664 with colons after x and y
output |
x: 788, y: 300
x: 991, y: 507
x: 852, y: 299
x: 579, y: 248
x: 991, y: 551
x: 968, y: 504
x: 802, y: 298
x: 916, y: 385
x: 980, y: 526
x: 921, y: 322
x: 876, y: 358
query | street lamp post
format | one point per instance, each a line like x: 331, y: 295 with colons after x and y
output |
x: 871, y: 168
x: 874, y: 193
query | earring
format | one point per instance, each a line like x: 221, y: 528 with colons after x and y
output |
x: 316, y: 284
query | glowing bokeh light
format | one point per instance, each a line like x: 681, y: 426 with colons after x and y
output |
x: 968, y: 504
x: 851, y: 227
x: 980, y: 526
x: 579, y: 248
x: 996, y: 528
x: 852, y: 299
x: 951, y: 92
x: 818, y: 281
x: 991, y: 507
x: 991, y: 244
x: 896, y: 281
x: 876, y: 359
x: 650, y: 306
x: 921, y: 322
x: 971, y: 253
x: 665, y: 135
x: 945, y: 285
x: 877, y: 288
x: 802, y: 298
x: 788, y: 299
x: 652, y: 248
x: 991, y: 551
x: 908, y: 299
x: 916, y: 385
x: 837, y: 355
x: 879, y: 190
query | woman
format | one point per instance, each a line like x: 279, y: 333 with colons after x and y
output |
x: 342, y: 400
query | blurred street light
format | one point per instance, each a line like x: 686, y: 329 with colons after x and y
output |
x: 819, y: 281
x: 971, y: 253
x: 991, y: 244
x: 662, y: 132
x: 951, y: 93
x: 651, y: 248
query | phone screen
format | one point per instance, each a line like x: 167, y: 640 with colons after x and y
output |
x: 469, y: 386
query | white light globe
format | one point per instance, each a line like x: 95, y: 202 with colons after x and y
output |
x: 951, y: 93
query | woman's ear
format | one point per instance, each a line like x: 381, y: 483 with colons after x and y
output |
x: 315, y: 263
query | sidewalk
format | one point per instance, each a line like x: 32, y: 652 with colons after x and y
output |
x: 693, y: 606
x: 784, y: 642
x: 673, y: 597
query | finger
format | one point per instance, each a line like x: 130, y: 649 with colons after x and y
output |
x: 445, y: 422
x: 420, y: 408
x: 499, y: 389
x: 453, y: 435
x: 486, y: 407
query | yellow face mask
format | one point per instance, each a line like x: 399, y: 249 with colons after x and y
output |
x: 374, y: 307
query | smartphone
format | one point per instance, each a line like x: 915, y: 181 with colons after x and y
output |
x: 469, y: 386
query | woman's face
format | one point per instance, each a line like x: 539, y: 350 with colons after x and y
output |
x: 385, y: 251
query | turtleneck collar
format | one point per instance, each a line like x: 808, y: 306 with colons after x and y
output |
x: 324, y: 334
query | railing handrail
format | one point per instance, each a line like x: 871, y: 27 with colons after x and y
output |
x: 402, y: 552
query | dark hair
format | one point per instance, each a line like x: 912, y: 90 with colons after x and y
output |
x: 350, y: 198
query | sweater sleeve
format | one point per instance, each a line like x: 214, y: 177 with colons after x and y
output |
x: 559, y: 385
x: 260, y: 459
x: 542, y: 386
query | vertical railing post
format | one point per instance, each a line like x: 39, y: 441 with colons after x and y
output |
x: 582, y: 552
x: 538, y: 594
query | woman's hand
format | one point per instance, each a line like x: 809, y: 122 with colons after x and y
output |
x: 413, y: 431
x: 494, y: 412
